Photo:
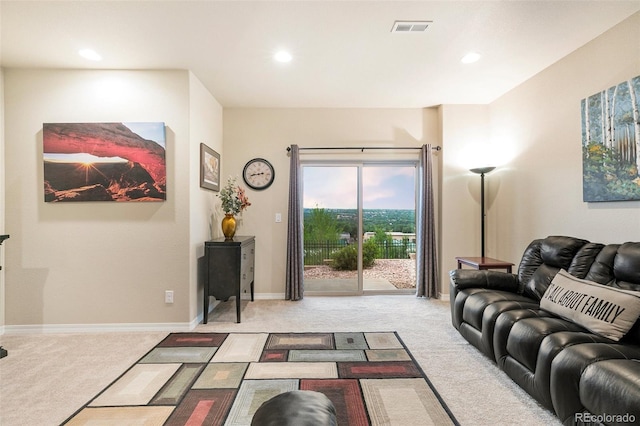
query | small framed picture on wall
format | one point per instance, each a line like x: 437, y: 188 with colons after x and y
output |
x: 209, y: 168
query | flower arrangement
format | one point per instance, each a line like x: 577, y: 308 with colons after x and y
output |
x: 234, y: 199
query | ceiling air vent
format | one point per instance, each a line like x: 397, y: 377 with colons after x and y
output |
x: 410, y: 26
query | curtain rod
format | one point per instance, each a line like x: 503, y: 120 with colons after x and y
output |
x: 362, y: 148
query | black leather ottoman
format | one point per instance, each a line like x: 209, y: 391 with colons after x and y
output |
x: 296, y: 408
x: 612, y: 388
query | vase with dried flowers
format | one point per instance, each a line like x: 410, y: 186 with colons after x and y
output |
x: 234, y: 201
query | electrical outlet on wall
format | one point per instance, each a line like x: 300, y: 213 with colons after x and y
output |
x: 168, y: 296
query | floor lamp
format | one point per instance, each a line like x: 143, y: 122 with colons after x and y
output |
x: 482, y: 171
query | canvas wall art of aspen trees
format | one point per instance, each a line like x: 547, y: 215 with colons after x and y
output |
x: 611, y: 143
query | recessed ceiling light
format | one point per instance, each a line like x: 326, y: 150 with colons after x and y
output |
x: 283, y: 56
x: 470, y: 58
x: 89, y: 54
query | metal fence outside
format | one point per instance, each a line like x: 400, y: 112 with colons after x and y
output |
x: 318, y: 252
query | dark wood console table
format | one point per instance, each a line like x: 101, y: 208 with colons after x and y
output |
x: 230, y: 270
x: 484, y: 263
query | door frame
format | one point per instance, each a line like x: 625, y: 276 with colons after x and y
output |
x: 360, y: 164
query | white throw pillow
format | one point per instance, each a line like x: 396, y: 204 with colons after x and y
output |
x: 607, y: 311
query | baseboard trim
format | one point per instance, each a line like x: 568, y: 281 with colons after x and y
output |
x: 118, y: 327
x: 98, y: 328
x: 268, y: 296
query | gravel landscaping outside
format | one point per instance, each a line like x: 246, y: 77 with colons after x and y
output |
x: 399, y: 272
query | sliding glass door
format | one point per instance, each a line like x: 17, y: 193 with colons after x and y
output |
x: 389, y: 226
x: 359, y: 228
x: 331, y: 229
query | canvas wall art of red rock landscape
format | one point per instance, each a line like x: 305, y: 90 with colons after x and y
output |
x: 104, y: 161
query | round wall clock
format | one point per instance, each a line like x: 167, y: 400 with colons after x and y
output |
x: 258, y: 174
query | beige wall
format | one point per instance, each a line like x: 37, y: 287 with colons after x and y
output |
x: 250, y: 133
x: 205, y: 120
x: 538, y: 191
x: 104, y: 263
x: 465, y: 137
x: 2, y: 202
x: 107, y: 264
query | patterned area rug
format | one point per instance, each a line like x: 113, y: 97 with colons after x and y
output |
x: 222, y: 379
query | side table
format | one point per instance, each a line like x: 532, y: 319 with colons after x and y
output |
x: 230, y: 270
x: 484, y: 263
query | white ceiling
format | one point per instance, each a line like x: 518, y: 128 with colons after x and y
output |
x: 344, y: 54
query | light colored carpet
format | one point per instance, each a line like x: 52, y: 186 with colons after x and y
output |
x: 395, y: 395
x: 292, y: 370
x: 138, y: 386
x: 241, y: 348
x: 46, y: 378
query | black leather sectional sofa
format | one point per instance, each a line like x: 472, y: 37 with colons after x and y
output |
x: 581, y: 376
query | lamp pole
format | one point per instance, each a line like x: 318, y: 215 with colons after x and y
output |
x: 482, y: 171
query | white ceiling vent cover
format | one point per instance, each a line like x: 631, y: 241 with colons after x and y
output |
x: 410, y: 26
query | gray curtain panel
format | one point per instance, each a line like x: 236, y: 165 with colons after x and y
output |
x: 426, y: 256
x: 295, y: 263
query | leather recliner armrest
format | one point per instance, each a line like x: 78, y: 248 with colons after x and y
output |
x: 568, y: 367
x: 493, y: 280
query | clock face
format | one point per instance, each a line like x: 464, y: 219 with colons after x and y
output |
x: 258, y: 173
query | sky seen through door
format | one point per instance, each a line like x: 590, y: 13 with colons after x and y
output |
x: 384, y: 187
